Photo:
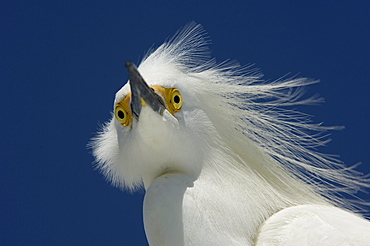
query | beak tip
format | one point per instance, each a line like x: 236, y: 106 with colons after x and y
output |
x: 128, y: 64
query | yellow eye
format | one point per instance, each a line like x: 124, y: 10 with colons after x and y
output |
x: 121, y: 115
x: 122, y: 111
x: 171, y: 96
x: 175, y: 100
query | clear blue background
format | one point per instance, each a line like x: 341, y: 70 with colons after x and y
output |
x: 63, y: 61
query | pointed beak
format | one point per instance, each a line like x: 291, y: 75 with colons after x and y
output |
x: 141, y: 91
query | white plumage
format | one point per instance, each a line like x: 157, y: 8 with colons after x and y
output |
x: 223, y: 161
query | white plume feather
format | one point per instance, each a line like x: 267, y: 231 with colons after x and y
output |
x: 230, y: 109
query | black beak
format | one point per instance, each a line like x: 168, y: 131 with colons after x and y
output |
x: 141, y: 90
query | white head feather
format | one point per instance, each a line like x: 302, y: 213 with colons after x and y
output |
x: 233, y: 128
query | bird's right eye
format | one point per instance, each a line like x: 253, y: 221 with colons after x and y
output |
x: 122, y: 111
x: 122, y: 115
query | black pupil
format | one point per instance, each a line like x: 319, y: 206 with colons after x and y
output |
x: 121, y: 114
x: 176, y: 99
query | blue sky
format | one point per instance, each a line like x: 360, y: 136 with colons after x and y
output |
x: 63, y: 61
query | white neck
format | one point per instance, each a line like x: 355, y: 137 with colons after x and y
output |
x: 226, y: 202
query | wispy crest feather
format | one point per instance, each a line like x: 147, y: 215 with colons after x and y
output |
x: 258, y: 111
x: 253, y: 115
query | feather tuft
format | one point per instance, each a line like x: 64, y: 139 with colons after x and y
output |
x: 251, y: 119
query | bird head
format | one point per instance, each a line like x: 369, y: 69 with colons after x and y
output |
x: 158, y: 125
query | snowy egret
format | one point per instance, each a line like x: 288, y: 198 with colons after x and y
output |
x: 222, y: 160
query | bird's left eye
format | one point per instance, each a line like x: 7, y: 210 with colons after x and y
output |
x: 171, y: 96
x: 175, y: 100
